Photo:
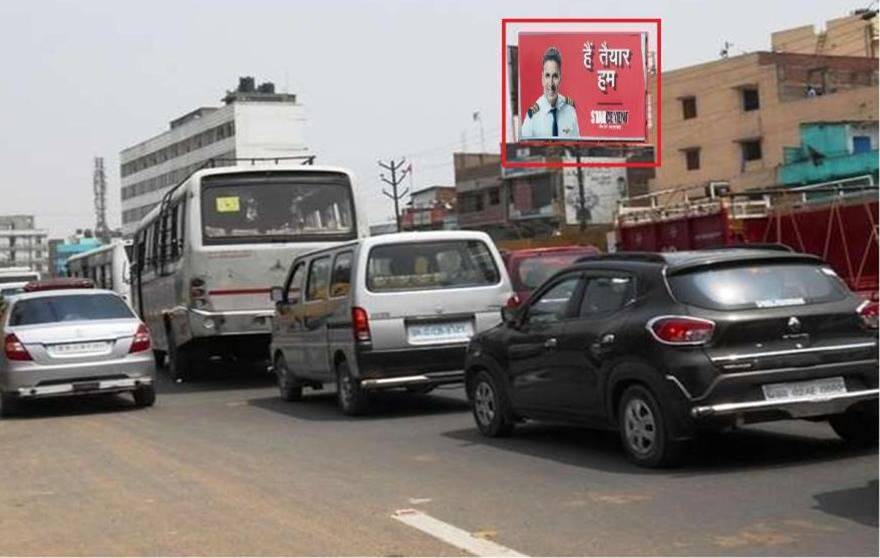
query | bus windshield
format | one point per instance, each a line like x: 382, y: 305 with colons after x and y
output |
x: 246, y: 211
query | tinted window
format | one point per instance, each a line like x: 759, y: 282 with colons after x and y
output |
x: 606, y: 294
x: 554, y: 305
x: 340, y: 279
x: 267, y: 211
x: 319, y: 279
x: 446, y: 264
x: 758, y: 286
x: 52, y: 309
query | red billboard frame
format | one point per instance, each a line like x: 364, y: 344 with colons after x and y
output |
x: 526, y: 164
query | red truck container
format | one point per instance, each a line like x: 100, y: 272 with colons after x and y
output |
x: 835, y: 221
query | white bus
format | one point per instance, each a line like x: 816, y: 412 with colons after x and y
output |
x: 108, y: 266
x: 205, y: 258
x: 12, y: 279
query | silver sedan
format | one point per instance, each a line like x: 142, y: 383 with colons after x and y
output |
x: 71, y: 342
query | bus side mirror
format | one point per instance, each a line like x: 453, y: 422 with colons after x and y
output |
x: 276, y: 294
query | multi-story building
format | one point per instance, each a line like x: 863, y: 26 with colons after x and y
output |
x: 480, y: 202
x: 730, y: 119
x: 22, y: 244
x: 431, y: 208
x: 254, y: 122
x: 854, y: 35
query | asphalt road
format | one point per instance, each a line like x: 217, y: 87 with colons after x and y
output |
x: 225, y: 467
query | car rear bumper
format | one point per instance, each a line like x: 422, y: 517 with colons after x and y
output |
x: 29, y: 379
x: 381, y: 369
x: 795, y: 408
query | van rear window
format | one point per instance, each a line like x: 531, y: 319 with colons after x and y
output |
x: 416, y: 266
x: 758, y: 286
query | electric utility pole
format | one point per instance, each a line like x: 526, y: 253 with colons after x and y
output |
x: 393, y: 167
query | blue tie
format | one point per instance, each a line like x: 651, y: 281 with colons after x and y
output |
x: 555, y: 124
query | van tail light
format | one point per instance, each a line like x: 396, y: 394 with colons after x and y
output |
x: 361, y: 325
x: 868, y: 312
x: 513, y: 302
x: 14, y: 349
x: 198, y: 292
x: 141, y: 341
x: 681, y: 330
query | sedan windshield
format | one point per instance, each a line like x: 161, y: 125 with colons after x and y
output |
x: 69, y: 308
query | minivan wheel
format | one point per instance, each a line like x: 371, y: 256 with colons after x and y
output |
x: 289, y: 388
x: 643, y: 429
x: 491, y: 410
x: 352, y: 399
x: 858, y: 428
x: 144, y: 396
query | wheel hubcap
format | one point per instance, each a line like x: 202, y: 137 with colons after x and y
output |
x: 639, y: 426
x: 484, y: 403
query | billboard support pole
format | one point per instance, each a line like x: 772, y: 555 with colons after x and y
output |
x: 582, y: 202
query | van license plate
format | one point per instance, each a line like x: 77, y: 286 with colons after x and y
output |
x: 801, y: 390
x: 448, y: 332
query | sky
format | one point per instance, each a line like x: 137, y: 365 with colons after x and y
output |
x: 379, y: 80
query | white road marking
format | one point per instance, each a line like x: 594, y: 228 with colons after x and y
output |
x: 447, y: 533
x: 416, y: 501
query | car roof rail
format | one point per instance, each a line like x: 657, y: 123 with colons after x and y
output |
x: 647, y: 257
x: 776, y: 246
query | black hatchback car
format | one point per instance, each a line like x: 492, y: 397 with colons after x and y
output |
x: 660, y: 346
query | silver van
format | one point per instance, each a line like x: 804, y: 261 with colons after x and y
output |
x: 390, y: 311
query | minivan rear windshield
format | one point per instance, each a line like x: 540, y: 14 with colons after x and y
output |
x: 71, y: 308
x: 757, y: 286
x: 446, y: 264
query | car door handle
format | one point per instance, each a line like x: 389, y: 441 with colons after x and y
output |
x: 550, y: 343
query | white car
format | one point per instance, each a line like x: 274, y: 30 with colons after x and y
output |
x: 63, y: 341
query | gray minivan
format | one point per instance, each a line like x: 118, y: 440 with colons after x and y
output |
x: 390, y: 311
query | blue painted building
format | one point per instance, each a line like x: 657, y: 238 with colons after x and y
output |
x: 830, y: 151
x: 63, y: 250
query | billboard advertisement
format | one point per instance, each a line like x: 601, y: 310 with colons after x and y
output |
x: 582, y: 86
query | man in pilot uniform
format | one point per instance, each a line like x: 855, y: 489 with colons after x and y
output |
x: 553, y: 115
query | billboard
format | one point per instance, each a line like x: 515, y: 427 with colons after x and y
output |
x: 597, y: 93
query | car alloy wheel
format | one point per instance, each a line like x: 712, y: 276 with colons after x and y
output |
x: 484, y: 403
x: 639, y: 426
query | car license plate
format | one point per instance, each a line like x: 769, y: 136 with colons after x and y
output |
x: 86, y: 386
x: 440, y: 332
x: 77, y: 349
x: 801, y: 390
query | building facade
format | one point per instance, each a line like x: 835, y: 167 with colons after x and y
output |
x: 831, y: 151
x: 62, y: 249
x: 22, y: 244
x: 431, y: 208
x: 255, y: 122
x: 853, y: 35
x: 730, y: 120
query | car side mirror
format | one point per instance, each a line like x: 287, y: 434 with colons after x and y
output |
x: 276, y: 294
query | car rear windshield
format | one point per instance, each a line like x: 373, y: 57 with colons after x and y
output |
x: 532, y: 272
x: 70, y: 308
x: 431, y: 265
x: 757, y: 286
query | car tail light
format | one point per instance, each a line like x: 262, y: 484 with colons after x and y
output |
x: 14, y: 349
x: 361, y: 324
x: 868, y: 312
x: 141, y: 341
x: 197, y: 292
x: 681, y: 330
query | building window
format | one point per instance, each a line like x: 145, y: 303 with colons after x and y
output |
x: 861, y: 144
x: 494, y: 196
x: 692, y: 158
x: 689, y: 107
x: 751, y: 149
x: 750, y: 99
